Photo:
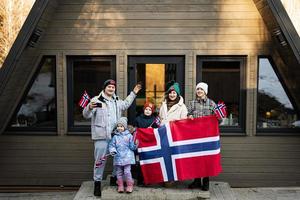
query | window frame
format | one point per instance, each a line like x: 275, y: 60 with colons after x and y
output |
x: 242, y: 59
x: 82, y: 130
x: 275, y: 131
x: 35, y: 130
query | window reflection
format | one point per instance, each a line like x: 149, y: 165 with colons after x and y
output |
x: 275, y: 109
x: 223, y: 79
x: 38, y: 109
x: 89, y: 73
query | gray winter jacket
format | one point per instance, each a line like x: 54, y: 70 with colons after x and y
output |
x: 104, y: 118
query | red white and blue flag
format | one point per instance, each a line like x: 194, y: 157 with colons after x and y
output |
x: 85, y: 99
x: 220, y: 110
x: 180, y: 150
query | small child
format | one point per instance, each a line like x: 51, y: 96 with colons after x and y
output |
x: 145, y: 120
x: 122, y: 147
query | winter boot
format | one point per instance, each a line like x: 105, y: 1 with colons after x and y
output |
x: 112, y: 181
x: 205, y: 185
x: 195, y: 184
x: 97, y: 188
x: 129, y: 187
x: 120, y: 185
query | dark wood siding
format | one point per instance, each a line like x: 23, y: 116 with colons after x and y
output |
x: 68, y: 160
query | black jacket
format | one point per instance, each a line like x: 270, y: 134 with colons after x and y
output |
x: 144, y: 121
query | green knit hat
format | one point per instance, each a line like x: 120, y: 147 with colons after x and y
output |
x: 172, y: 85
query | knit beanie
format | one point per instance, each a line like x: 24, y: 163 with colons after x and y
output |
x: 150, y: 105
x: 123, y: 122
x: 172, y: 85
x: 203, y: 86
x: 109, y: 82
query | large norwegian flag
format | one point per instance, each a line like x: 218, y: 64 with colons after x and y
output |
x: 180, y: 150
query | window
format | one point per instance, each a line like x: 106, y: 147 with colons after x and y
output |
x: 275, y: 109
x: 86, y: 73
x: 37, y: 111
x: 225, y: 77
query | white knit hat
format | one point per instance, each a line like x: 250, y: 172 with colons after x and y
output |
x: 203, y: 86
x: 123, y: 122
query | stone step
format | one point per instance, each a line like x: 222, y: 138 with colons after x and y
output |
x: 218, y: 191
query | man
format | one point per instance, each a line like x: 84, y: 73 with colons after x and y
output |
x: 105, y: 110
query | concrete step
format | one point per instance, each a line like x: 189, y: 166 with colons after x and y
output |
x: 218, y: 191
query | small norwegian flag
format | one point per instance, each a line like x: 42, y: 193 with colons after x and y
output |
x: 85, y: 99
x: 157, y: 121
x: 220, y: 110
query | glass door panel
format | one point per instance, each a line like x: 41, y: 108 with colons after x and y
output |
x: 153, y: 73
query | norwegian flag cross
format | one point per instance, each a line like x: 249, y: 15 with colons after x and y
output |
x: 178, y: 156
x: 85, y: 99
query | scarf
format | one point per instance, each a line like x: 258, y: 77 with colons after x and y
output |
x: 171, y: 103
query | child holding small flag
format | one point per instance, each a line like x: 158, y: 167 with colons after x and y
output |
x: 145, y: 120
x: 199, y: 107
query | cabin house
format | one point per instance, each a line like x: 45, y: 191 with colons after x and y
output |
x: 248, y: 52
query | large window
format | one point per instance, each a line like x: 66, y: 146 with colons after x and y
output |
x: 225, y: 77
x: 275, y: 108
x: 86, y: 73
x: 37, y: 110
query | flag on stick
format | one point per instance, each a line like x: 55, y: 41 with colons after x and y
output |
x: 220, y: 110
x: 85, y: 99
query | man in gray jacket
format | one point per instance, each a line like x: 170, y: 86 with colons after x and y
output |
x: 104, y: 111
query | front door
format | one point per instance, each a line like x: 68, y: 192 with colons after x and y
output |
x: 153, y: 72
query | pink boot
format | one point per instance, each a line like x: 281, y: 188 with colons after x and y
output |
x: 120, y: 185
x: 129, y: 187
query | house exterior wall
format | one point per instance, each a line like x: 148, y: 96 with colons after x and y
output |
x: 191, y: 28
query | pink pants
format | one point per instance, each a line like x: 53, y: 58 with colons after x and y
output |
x: 124, y: 171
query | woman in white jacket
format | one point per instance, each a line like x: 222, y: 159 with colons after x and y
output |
x: 173, y: 107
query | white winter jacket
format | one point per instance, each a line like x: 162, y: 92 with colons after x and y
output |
x: 104, y: 119
x: 176, y: 112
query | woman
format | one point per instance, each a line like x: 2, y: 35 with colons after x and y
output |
x: 173, y: 107
x: 199, y: 107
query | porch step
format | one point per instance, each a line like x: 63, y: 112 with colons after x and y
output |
x: 218, y: 191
